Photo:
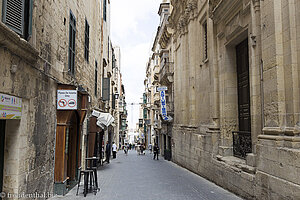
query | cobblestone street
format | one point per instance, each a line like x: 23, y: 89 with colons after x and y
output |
x: 140, y: 177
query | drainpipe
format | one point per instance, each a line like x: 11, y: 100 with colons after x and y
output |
x: 262, y: 94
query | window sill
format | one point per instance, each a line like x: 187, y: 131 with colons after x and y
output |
x: 16, y: 44
x: 236, y: 163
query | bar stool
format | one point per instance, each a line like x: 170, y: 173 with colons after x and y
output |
x: 87, y: 173
x: 95, y: 176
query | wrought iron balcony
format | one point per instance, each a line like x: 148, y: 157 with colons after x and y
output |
x: 241, y: 143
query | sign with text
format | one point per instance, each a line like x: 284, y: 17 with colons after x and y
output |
x: 163, y: 105
x: 10, y: 107
x: 162, y: 88
x: 66, y: 99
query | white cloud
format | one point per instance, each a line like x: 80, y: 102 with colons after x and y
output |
x: 133, y: 25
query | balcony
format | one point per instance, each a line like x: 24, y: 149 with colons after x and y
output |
x: 170, y: 108
x: 166, y: 73
x: 156, y: 97
x: 156, y: 75
x: 157, y: 124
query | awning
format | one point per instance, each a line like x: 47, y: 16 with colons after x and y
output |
x: 103, y: 119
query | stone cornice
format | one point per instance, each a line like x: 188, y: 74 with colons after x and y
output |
x: 17, y: 45
x: 221, y: 9
x: 183, y: 11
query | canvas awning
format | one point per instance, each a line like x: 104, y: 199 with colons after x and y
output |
x: 103, y: 119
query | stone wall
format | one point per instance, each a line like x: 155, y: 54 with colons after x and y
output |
x: 206, y: 94
x: 29, y: 142
x: 31, y: 70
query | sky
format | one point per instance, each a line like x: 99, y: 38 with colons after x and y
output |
x: 133, y: 28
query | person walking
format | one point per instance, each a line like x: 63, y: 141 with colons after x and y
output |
x: 114, y: 150
x: 107, y: 151
x: 155, y: 151
x: 125, y: 149
x: 150, y: 148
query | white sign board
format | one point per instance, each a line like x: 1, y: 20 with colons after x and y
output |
x: 10, y: 107
x: 66, y: 99
x: 162, y: 88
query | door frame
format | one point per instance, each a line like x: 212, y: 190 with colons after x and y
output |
x: 2, y: 146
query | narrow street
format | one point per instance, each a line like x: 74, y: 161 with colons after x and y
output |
x: 139, y: 177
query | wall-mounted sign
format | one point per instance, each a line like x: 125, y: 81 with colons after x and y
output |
x: 162, y: 88
x: 66, y: 99
x: 163, y: 105
x: 10, y: 107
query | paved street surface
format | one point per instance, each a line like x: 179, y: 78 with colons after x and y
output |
x: 139, y: 177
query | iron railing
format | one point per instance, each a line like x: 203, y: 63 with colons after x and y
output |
x: 241, y: 143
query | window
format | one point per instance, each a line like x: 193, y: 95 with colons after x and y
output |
x: 205, y: 51
x: 106, y: 89
x: 17, y: 15
x: 108, y: 49
x: 72, y: 35
x: 104, y: 10
x: 87, y: 41
x: 96, y: 78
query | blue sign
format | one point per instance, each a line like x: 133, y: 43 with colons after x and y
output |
x: 163, y: 105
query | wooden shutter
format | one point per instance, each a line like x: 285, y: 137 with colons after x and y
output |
x: 30, y: 18
x: 104, y: 10
x: 113, y: 101
x: 13, y: 15
x: 106, y: 89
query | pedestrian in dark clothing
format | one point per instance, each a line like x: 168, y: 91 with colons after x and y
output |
x: 155, y: 151
x: 107, y: 151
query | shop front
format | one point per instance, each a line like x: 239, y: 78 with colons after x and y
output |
x: 71, y: 112
x: 10, y: 115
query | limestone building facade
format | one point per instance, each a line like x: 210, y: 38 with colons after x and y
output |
x: 236, y: 95
x: 48, y: 46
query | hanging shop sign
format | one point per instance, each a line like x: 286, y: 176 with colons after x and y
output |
x: 10, y: 107
x: 162, y: 88
x: 163, y: 104
x: 66, y: 99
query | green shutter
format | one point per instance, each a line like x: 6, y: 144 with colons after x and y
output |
x: 113, y: 101
x: 104, y: 10
x: 145, y: 113
x: 13, y: 15
x: 106, y: 89
x: 30, y: 19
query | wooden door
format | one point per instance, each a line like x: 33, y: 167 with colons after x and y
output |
x: 2, y: 142
x: 242, y: 56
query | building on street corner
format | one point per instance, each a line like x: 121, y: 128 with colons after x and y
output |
x: 58, y: 65
x: 231, y: 69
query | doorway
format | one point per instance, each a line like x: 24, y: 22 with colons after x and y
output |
x: 2, y: 144
x: 242, y: 138
x: 72, y: 147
